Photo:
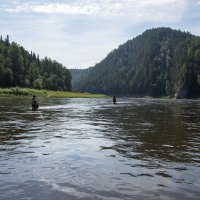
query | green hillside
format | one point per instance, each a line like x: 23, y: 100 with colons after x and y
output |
x: 159, y: 62
x: 20, y: 68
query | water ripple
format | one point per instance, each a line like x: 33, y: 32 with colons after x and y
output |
x: 92, y: 149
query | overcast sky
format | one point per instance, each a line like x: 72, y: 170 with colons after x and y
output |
x: 80, y: 33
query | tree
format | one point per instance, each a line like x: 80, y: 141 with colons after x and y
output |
x: 18, y: 67
x: 8, y: 77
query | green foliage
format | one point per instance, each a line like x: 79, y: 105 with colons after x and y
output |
x: 46, y: 93
x: 198, y: 79
x: 159, y: 62
x: 18, y: 67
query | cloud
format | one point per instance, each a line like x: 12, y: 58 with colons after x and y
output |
x: 66, y: 7
x: 145, y: 9
x: 197, y: 3
x: 54, y: 8
x: 82, y: 32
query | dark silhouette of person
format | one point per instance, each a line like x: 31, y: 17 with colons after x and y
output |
x: 34, y: 103
x: 114, y: 100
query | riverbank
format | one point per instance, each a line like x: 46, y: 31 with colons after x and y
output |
x: 4, y: 92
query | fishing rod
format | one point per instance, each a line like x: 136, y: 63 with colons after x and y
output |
x: 42, y: 100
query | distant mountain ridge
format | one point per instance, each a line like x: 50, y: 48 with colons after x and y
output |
x: 159, y: 62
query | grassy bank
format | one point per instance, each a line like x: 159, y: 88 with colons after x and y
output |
x: 29, y: 92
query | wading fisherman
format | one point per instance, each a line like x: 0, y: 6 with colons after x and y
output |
x: 114, y: 100
x: 34, y: 103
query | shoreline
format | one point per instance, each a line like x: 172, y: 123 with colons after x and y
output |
x: 27, y: 92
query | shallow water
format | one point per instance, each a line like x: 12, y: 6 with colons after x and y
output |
x: 92, y: 149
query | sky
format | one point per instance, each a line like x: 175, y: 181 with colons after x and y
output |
x: 80, y: 33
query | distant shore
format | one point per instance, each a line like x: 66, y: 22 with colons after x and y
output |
x: 16, y: 91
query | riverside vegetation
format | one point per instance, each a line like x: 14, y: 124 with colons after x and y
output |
x: 5, y: 92
x: 42, y: 77
x: 20, y: 68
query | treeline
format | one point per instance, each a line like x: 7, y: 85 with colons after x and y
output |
x: 20, y: 68
x: 159, y: 62
x: 77, y: 75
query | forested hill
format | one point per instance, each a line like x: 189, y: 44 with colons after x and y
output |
x: 20, y: 68
x: 159, y: 62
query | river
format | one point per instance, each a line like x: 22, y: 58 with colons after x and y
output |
x: 93, y: 149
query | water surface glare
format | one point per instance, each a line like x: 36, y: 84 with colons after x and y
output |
x: 92, y: 149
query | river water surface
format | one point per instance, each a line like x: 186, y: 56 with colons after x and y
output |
x: 92, y: 149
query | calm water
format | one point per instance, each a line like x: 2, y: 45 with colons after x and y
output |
x: 92, y: 149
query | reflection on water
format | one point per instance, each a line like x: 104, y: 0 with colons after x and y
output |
x: 92, y: 149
